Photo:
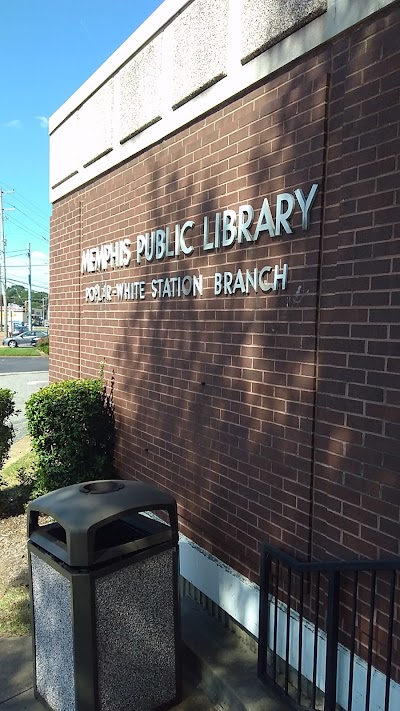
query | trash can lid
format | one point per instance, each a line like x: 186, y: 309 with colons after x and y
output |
x: 82, y: 509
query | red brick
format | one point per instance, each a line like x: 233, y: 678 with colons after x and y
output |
x: 238, y: 452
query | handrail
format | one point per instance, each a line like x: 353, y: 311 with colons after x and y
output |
x: 277, y: 585
x: 331, y: 566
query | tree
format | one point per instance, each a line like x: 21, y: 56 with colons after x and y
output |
x: 18, y: 295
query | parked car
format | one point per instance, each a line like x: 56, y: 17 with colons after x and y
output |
x: 18, y: 328
x: 26, y: 338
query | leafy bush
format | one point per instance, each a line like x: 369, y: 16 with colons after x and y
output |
x: 18, y: 486
x: 43, y: 344
x: 27, y: 480
x: 7, y: 434
x: 71, y: 425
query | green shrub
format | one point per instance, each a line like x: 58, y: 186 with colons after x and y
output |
x: 7, y: 434
x: 71, y: 426
x: 27, y: 480
x: 18, y: 486
x: 43, y: 344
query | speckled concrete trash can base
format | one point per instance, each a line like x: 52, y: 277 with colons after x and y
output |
x: 136, y: 665
x: 105, y: 605
x: 53, y: 636
x: 116, y: 646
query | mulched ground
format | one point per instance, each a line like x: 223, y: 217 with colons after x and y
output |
x: 13, y: 552
x: 13, y: 537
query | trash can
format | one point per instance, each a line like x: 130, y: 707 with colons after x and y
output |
x: 104, y: 598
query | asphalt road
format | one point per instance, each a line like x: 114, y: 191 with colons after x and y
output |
x: 24, y: 364
x: 24, y: 376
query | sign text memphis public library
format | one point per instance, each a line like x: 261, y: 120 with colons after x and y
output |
x: 228, y: 227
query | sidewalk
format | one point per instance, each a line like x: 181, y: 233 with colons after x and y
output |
x: 219, y: 671
x: 16, y: 684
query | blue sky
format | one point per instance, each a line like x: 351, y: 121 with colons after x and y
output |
x: 47, y: 50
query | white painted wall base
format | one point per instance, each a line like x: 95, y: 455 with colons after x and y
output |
x: 223, y: 585
x: 240, y: 598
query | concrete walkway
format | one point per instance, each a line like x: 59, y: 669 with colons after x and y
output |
x: 219, y: 671
x: 16, y: 683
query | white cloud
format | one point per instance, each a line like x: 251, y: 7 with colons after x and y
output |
x: 18, y: 270
x: 43, y: 121
x: 14, y: 123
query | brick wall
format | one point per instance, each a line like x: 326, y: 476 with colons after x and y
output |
x: 271, y: 417
x: 358, y: 415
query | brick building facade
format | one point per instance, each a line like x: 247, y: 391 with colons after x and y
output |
x: 265, y: 399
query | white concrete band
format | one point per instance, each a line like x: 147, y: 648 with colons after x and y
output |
x: 240, y: 599
x: 95, y: 129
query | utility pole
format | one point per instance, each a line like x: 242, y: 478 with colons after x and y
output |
x: 29, y: 289
x: 45, y: 306
x: 3, y: 253
x: 1, y: 280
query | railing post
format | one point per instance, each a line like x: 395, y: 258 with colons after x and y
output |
x: 263, y: 627
x: 332, y: 635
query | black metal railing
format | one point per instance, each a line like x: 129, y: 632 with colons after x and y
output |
x: 318, y: 618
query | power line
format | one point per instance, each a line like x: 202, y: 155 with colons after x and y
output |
x: 23, y: 266
x: 15, y: 277
x: 15, y: 282
x: 38, y: 219
x: 42, y: 288
x: 3, y: 258
x: 38, y: 287
x: 30, y: 218
x: 13, y: 267
x: 27, y: 230
x: 22, y: 198
x: 29, y: 288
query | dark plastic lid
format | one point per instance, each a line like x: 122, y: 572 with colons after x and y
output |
x: 100, y: 520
